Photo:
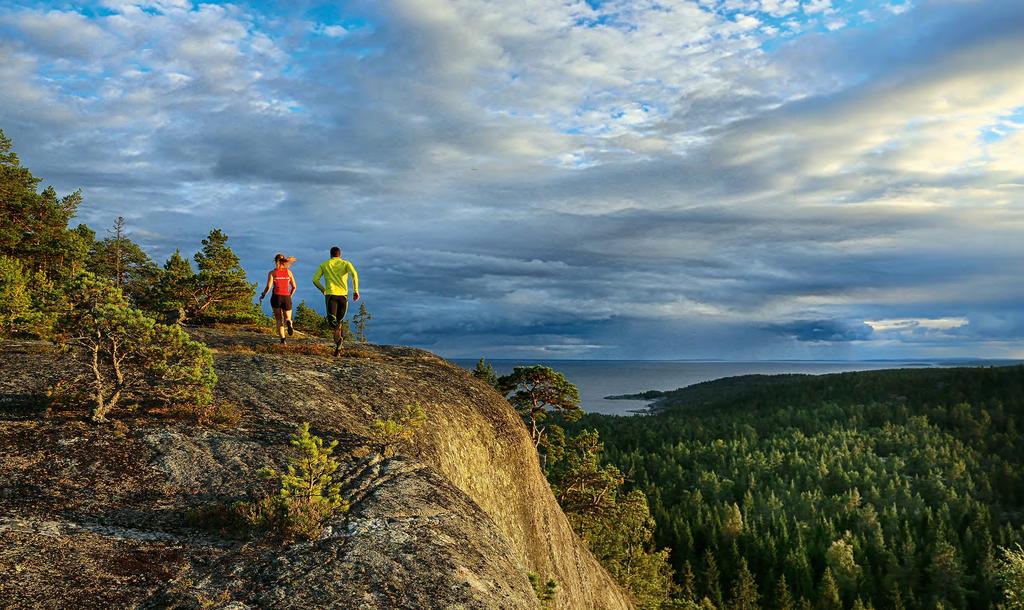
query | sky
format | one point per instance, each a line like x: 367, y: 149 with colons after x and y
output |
x: 737, y: 179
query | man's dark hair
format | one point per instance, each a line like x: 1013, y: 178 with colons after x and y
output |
x: 335, y: 251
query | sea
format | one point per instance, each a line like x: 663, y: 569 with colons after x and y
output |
x: 597, y: 379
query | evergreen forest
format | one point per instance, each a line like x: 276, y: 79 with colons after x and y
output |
x: 899, y: 489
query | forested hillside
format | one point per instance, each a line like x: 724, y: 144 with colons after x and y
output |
x: 885, y: 489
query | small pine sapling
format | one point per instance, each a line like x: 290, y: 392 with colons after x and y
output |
x: 545, y: 591
x: 308, y: 495
x: 389, y: 436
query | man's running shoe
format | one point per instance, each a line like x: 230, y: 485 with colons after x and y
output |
x: 282, y: 340
x: 337, y: 349
x: 291, y: 329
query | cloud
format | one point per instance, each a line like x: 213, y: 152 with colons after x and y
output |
x: 62, y: 35
x: 780, y: 8
x: 910, y: 324
x: 634, y: 179
x: 813, y: 7
x: 331, y: 31
x: 824, y: 331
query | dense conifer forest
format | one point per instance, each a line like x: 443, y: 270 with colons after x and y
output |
x: 888, y: 489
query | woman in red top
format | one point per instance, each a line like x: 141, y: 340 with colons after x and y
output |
x: 282, y: 281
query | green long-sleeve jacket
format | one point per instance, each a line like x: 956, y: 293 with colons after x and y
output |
x: 335, y: 272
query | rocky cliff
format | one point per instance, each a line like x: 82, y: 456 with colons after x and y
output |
x: 96, y: 516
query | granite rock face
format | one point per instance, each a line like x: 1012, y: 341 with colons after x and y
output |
x: 96, y: 516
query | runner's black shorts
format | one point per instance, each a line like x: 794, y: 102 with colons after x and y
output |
x: 281, y: 301
x: 337, y: 307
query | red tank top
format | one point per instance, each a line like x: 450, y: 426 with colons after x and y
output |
x: 282, y: 283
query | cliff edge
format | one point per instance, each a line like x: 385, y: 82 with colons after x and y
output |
x: 96, y: 516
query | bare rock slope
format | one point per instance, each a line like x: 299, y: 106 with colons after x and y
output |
x: 96, y: 516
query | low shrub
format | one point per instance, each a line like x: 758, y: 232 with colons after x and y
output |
x: 219, y: 413
x: 389, y: 436
x: 129, y: 357
x: 544, y: 590
x: 307, y: 495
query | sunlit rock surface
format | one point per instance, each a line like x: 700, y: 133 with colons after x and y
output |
x: 95, y: 516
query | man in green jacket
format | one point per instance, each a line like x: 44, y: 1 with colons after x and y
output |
x: 335, y: 272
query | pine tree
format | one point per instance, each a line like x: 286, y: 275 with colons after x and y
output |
x: 128, y: 355
x: 732, y: 525
x: 616, y: 525
x: 534, y: 391
x: 986, y: 569
x: 38, y: 245
x: 360, y: 321
x: 946, y: 575
x: 839, y: 558
x: 309, y: 321
x: 1010, y: 572
x: 783, y: 598
x: 799, y: 569
x: 828, y: 593
x: 118, y: 252
x: 16, y: 314
x: 222, y: 290
x: 175, y: 291
x: 712, y: 579
x: 485, y: 372
x: 688, y: 585
x: 744, y: 590
x: 35, y: 224
x: 308, y: 494
x: 896, y: 597
x: 581, y: 483
x: 121, y: 260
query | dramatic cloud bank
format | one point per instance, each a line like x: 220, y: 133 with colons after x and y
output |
x: 624, y: 178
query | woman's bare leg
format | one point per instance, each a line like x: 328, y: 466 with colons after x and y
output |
x: 279, y: 319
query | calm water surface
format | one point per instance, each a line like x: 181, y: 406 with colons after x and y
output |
x: 599, y: 378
